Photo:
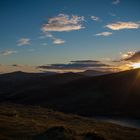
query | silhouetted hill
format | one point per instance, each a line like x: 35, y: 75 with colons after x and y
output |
x: 17, y: 84
x: 112, y: 94
x: 93, y: 73
x: 19, y: 75
x: 115, y: 94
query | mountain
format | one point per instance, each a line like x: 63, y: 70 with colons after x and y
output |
x: 93, y: 73
x: 111, y: 94
x: 17, y: 84
x: 19, y: 75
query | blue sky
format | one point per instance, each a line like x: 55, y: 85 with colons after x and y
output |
x: 98, y: 30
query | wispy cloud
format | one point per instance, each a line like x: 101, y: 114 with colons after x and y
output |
x: 63, y: 22
x: 95, y: 18
x: 103, y: 34
x: 123, y: 25
x: 58, y: 41
x: 7, y: 52
x: 115, y: 2
x: 23, y: 42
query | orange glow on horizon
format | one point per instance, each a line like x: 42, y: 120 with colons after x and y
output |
x: 136, y: 65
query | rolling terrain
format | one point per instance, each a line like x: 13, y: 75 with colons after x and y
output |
x: 111, y: 94
x: 31, y: 106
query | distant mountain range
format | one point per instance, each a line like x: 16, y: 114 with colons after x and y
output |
x: 109, y: 94
x: 93, y: 73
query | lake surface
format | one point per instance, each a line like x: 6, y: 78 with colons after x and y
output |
x: 128, y: 122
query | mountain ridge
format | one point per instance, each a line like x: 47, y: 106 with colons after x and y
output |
x: 111, y: 94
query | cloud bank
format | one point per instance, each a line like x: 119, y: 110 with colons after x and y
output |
x: 76, y: 65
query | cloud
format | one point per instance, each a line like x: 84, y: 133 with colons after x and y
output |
x: 104, y: 34
x: 85, y: 61
x: 76, y: 65
x: 123, y: 25
x: 133, y: 57
x: 17, y: 65
x: 23, y: 41
x: 127, y: 55
x: 63, y: 22
x: 46, y: 35
x: 58, y: 41
x: 95, y: 18
x: 115, y: 2
x: 7, y: 52
x: 128, y: 60
x: 49, y: 35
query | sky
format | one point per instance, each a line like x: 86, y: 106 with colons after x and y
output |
x: 69, y: 34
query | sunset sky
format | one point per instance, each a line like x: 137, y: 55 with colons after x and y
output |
x: 69, y: 34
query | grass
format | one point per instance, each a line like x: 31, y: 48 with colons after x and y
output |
x: 18, y: 122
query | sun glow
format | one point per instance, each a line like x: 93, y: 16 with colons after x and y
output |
x: 136, y: 65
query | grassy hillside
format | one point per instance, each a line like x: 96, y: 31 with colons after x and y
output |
x: 27, y: 122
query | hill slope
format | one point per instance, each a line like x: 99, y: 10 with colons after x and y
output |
x: 112, y: 94
x: 13, y: 84
x: 36, y: 123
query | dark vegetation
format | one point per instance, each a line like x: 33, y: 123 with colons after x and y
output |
x: 18, y: 122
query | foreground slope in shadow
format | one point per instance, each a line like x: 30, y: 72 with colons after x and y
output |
x: 37, y: 123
